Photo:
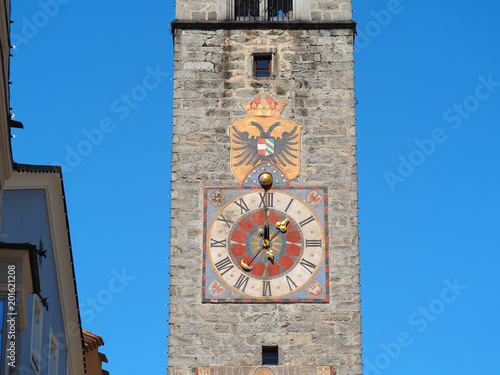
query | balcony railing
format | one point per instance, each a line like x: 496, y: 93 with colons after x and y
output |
x: 263, y: 10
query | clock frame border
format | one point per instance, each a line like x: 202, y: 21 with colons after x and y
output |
x: 325, y: 261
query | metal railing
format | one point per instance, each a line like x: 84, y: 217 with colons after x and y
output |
x: 263, y: 10
x: 247, y: 10
x: 279, y: 10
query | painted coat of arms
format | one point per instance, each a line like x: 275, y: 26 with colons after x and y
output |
x: 264, y: 137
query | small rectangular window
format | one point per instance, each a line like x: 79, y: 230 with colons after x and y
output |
x: 269, y: 355
x: 262, y: 65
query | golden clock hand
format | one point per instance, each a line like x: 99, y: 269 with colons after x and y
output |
x: 281, y: 226
x: 266, y: 215
x: 266, y: 182
x: 248, y: 266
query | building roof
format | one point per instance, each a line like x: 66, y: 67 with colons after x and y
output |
x: 92, y: 341
x: 103, y: 357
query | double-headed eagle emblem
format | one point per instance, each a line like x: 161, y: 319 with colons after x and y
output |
x: 263, y: 136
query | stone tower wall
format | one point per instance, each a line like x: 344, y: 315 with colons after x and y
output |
x: 313, y: 74
x: 196, y: 10
x: 330, y: 10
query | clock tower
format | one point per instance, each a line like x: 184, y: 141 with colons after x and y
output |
x: 264, y: 230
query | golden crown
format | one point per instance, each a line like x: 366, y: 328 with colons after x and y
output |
x: 263, y: 105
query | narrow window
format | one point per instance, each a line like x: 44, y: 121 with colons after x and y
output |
x: 36, y: 335
x: 53, y: 354
x: 269, y: 355
x: 262, y: 65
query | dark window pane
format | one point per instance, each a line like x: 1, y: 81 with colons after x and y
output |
x: 262, y: 64
x: 269, y: 355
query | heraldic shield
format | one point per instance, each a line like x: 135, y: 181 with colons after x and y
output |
x: 264, y: 137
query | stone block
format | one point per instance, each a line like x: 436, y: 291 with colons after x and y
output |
x: 199, y: 66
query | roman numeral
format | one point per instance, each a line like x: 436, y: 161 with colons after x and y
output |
x: 270, y: 199
x: 241, y: 283
x: 242, y: 205
x: 222, y: 218
x: 313, y: 243
x: 289, y: 204
x: 306, y: 221
x: 308, y: 265
x: 290, y: 283
x: 224, y: 265
x: 215, y: 243
x: 266, y: 288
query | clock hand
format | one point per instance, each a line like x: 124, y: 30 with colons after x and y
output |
x: 266, y: 182
x: 281, y: 226
x: 248, y: 267
x: 264, y: 232
x: 267, y: 242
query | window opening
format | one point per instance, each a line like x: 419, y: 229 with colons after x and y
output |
x: 269, y: 355
x: 262, y: 65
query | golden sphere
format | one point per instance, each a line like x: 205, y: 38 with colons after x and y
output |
x: 266, y: 180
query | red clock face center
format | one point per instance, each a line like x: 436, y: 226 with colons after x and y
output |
x: 246, y: 243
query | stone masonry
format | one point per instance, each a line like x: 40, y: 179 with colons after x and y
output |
x: 313, y: 74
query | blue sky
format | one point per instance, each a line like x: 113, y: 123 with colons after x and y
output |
x: 92, y: 86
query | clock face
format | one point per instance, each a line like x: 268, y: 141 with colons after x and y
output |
x: 297, y: 271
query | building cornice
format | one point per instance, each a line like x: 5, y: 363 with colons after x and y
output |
x: 264, y: 25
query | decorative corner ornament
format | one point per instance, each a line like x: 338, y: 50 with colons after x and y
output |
x: 263, y: 137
